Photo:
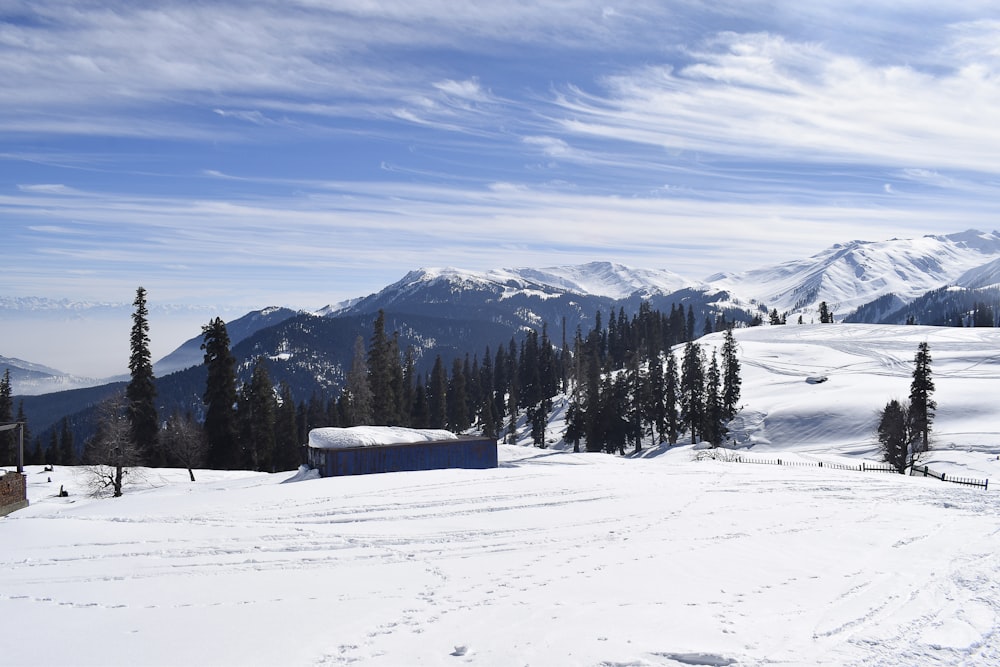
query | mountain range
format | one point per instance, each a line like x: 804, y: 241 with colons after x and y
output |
x: 452, y: 312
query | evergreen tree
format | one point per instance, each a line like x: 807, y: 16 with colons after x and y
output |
x: 220, y: 397
x: 922, y: 406
x: 591, y: 396
x: 287, y: 455
x: 894, y: 435
x: 357, y: 394
x: 8, y: 454
x: 714, y: 428
x: 67, y: 452
x: 52, y: 456
x: 692, y: 396
x: 409, y: 388
x: 982, y: 315
x: 437, y: 396
x: 456, y: 399
x: 671, y: 399
x: 420, y: 415
x: 383, y: 369
x: 574, y: 425
x: 29, y: 453
x: 825, y: 316
x: 731, y: 380
x: 654, y: 398
x: 141, y: 389
x: 256, y: 419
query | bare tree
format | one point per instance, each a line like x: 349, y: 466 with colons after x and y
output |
x: 185, y: 442
x: 112, y: 452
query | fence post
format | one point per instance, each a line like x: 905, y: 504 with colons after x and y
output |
x: 863, y: 467
x: 942, y: 477
x: 779, y: 462
x: 820, y: 464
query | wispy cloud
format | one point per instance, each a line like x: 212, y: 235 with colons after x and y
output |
x: 287, y: 150
x: 763, y: 97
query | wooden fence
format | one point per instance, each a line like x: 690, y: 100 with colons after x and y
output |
x: 924, y: 471
x: 863, y: 467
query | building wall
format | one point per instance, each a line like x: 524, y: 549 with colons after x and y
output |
x: 13, y: 492
x: 474, y: 453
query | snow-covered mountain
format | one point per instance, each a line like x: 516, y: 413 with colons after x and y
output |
x: 847, y: 276
x: 190, y: 353
x: 31, y: 379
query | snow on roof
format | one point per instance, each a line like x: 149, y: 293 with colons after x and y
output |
x: 373, y: 436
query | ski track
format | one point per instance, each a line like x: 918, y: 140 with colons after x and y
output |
x: 552, y: 559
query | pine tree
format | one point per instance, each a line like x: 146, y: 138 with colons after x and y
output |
x: 456, y: 400
x: 357, y: 393
x: 52, y: 456
x: 894, y: 435
x: 654, y: 399
x: 256, y: 419
x: 825, y: 316
x: 420, y: 415
x: 922, y: 406
x: 220, y: 397
x: 692, y: 396
x: 437, y: 396
x: 286, y: 439
x: 25, y: 436
x: 731, y: 380
x: 671, y: 399
x: 8, y: 455
x: 714, y: 418
x: 67, y: 452
x: 384, y: 375
x: 141, y: 389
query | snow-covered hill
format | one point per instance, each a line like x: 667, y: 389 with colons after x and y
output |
x: 31, y: 379
x: 845, y: 276
x: 866, y: 366
x: 850, y: 275
x: 553, y: 558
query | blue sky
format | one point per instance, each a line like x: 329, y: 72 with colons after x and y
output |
x: 300, y: 152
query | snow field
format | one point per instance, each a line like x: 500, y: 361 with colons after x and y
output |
x: 556, y: 558
x: 553, y: 558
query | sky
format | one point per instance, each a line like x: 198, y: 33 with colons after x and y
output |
x: 302, y: 152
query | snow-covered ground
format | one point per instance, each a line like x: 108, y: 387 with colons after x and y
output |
x: 554, y: 558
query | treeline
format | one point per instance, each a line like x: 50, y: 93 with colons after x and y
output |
x: 630, y: 385
x: 625, y: 386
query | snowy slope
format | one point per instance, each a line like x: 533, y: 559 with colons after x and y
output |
x: 866, y: 365
x: 30, y: 379
x: 554, y: 558
x: 850, y: 275
x: 607, y: 279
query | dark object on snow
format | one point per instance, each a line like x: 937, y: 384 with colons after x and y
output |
x: 63, y: 493
x: 816, y: 379
x: 472, y: 453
